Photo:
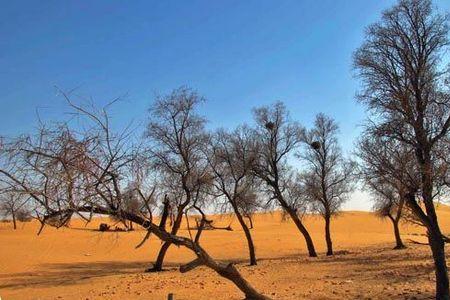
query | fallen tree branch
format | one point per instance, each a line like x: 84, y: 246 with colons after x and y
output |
x: 191, y: 265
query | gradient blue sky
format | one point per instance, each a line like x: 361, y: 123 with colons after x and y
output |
x: 238, y: 54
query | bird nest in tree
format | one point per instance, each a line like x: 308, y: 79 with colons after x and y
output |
x: 315, y: 145
x: 269, y: 125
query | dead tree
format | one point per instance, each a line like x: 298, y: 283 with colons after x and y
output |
x: 46, y: 168
x: 328, y: 177
x: 113, y: 158
x: 231, y: 158
x: 389, y: 171
x: 277, y: 137
x: 104, y: 163
x: 405, y: 87
x: 177, y: 137
x: 13, y: 204
x: 389, y: 203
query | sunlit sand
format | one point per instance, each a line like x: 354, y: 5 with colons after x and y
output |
x: 82, y: 263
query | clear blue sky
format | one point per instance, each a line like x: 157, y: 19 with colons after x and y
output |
x: 238, y: 54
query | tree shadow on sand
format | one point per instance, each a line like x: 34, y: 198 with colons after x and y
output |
x: 69, y: 274
x: 381, y: 266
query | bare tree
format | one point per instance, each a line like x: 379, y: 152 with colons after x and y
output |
x: 14, y: 205
x: 112, y: 158
x: 328, y: 178
x: 178, y: 139
x: 277, y: 138
x: 389, y: 203
x: 190, y: 180
x: 389, y: 171
x: 404, y: 86
x: 231, y: 157
x: 46, y: 168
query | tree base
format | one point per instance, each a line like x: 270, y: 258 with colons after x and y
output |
x: 154, y: 270
x: 399, y: 247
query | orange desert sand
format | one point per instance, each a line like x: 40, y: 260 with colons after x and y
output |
x: 82, y: 263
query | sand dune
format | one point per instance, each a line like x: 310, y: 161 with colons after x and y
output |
x: 82, y: 263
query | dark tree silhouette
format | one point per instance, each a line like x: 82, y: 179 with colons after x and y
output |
x: 328, y: 178
x: 405, y: 87
x: 389, y: 171
x: 104, y: 165
x: 277, y: 137
x: 178, y: 140
x: 13, y: 205
x: 231, y: 157
x: 389, y: 203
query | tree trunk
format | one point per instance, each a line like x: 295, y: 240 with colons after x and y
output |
x: 437, y: 248
x: 14, y: 220
x: 158, y: 265
x: 231, y: 273
x: 328, y: 235
x: 250, y: 221
x: 434, y: 232
x: 251, y: 246
x: 303, y: 230
x: 398, y: 240
x: 228, y: 271
x: 293, y: 214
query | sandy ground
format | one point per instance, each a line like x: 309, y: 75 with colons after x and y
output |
x: 81, y: 263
